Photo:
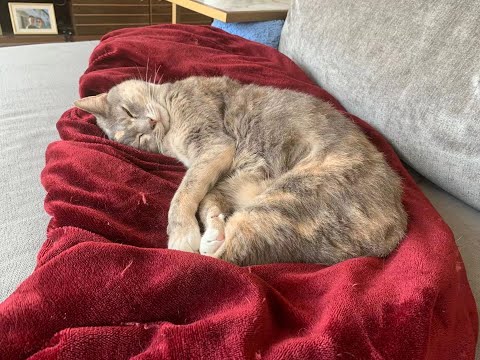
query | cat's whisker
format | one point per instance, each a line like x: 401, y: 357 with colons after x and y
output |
x: 139, y: 74
x: 146, y: 69
x: 156, y: 73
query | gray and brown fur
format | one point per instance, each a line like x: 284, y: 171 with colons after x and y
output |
x: 273, y: 175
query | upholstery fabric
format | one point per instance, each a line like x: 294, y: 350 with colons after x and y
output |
x: 33, y: 94
x: 409, y: 68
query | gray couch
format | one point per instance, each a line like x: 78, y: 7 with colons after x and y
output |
x: 37, y: 84
x: 408, y: 68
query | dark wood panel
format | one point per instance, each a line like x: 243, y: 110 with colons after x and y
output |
x: 14, y: 40
x: 165, y: 8
x: 108, y: 2
x: 112, y: 19
x: 162, y: 13
x: 195, y: 22
x: 162, y: 19
x: 29, y: 39
x: 111, y: 9
x: 101, y: 29
x: 186, y: 16
x: 97, y: 18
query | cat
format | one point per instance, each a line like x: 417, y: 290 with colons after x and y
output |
x: 273, y: 175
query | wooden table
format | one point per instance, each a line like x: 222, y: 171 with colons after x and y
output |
x: 235, y: 10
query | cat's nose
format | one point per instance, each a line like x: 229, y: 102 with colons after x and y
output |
x: 152, y: 123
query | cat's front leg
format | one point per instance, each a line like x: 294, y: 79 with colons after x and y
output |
x: 183, y: 229
x: 183, y: 233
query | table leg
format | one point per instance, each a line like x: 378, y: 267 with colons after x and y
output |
x: 174, y: 13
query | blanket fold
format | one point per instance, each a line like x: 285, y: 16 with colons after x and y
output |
x: 106, y: 287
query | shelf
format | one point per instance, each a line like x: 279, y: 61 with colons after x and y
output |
x: 12, y: 40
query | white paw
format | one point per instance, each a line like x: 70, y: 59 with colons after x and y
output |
x: 185, y: 239
x: 214, y: 236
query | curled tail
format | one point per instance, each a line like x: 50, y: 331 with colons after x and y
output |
x: 318, y: 215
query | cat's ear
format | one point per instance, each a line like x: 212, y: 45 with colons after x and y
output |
x: 96, y: 105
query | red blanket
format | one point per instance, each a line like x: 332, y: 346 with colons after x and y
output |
x: 106, y: 288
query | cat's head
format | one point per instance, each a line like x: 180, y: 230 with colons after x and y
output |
x: 133, y: 113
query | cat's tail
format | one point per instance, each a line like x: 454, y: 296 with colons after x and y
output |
x: 260, y: 236
x: 321, y: 217
x: 255, y: 237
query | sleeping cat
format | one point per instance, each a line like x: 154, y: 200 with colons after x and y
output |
x: 273, y: 175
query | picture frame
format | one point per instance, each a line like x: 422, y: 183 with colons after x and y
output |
x: 32, y: 18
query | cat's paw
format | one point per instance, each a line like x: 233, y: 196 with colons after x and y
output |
x: 214, y: 236
x: 184, y: 238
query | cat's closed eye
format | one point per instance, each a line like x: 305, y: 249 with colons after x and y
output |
x: 128, y: 112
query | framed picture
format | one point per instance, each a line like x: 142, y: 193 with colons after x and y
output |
x: 33, y: 18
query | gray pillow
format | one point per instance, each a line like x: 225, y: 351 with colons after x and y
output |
x: 409, y: 68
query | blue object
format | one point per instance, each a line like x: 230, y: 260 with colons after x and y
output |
x: 264, y: 32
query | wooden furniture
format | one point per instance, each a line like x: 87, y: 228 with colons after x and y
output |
x: 15, y: 40
x: 233, y: 10
x: 91, y: 19
x: 63, y: 20
x: 99, y: 17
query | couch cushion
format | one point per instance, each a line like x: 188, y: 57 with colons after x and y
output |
x: 37, y: 84
x: 410, y: 68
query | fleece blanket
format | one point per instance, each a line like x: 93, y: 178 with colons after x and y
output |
x: 106, y: 287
